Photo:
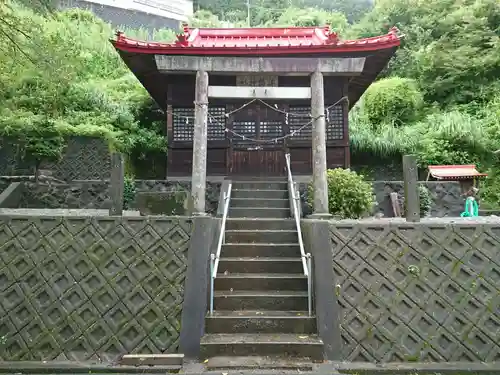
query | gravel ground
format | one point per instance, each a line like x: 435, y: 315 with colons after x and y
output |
x: 60, y: 212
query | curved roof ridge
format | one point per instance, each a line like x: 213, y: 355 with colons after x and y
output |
x: 255, y: 41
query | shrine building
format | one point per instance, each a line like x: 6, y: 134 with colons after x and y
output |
x: 259, y: 93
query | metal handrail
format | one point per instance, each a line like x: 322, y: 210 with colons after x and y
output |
x: 306, y: 258
x: 214, y: 258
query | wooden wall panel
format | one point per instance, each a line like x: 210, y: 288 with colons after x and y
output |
x: 180, y: 161
x: 242, y: 161
x: 335, y: 157
x: 272, y: 162
x: 230, y: 156
x: 301, y: 160
x: 217, y: 161
x: 258, y: 163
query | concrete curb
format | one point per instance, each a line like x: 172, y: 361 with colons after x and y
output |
x: 51, y: 367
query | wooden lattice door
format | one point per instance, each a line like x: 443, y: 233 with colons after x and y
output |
x: 257, y: 143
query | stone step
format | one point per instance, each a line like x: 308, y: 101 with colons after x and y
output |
x: 259, y: 202
x: 265, y: 363
x: 260, y: 185
x: 260, y: 300
x: 261, y: 236
x: 259, y: 194
x: 259, y: 212
x: 260, y: 265
x: 260, y: 249
x: 284, y: 345
x: 260, y: 281
x: 260, y: 224
x: 260, y: 322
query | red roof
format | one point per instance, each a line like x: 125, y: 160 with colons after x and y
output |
x: 455, y: 172
x: 258, y: 41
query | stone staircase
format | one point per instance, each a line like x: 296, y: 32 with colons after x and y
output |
x: 260, y: 293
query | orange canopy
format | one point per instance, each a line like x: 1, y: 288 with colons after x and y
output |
x: 454, y: 172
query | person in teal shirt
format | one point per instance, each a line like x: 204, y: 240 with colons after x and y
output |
x: 471, y: 206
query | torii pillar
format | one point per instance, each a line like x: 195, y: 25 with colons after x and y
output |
x: 199, y: 168
x: 320, y: 185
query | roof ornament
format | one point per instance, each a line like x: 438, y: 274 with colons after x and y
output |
x: 182, y: 39
x: 394, y: 31
x: 333, y: 37
x: 119, y: 35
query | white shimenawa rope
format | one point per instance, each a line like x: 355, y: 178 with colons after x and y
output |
x: 213, y: 119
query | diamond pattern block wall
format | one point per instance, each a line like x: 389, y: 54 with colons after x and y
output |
x: 84, y: 158
x: 90, y: 287
x: 418, y: 292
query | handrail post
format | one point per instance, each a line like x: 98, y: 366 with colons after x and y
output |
x: 212, y: 264
x: 297, y: 198
x: 309, y: 284
x: 214, y: 258
x: 305, y: 258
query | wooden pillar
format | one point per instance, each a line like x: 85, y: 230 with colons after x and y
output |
x: 412, y: 200
x: 117, y: 181
x: 199, y: 171
x: 320, y: 207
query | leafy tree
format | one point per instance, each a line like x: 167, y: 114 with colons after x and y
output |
x: 203, y: 18
x: 312, y: 17
x: 352, y: 9
x: 94, y: 93
x: 392, y: 100
x: 439, y: 96
x: 451, y: 47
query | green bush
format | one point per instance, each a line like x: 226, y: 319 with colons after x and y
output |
x: 490, y: 189
x: 349, y: 195
x: 128, y: 192
x: 392, y: 100
x: 425, y: 200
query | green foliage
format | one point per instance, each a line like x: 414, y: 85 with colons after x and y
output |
x: 129, y: 192
x: 42, y: 142
x: 94, y: 93
x: 392, y: 100
x: 449, y: 53
x: 451, y: 47
x: 204, y: 18
x: 425, y: 200
x: 440, y: 138
x: 312, y: 17
x: 490, y: 189
x: 268, y: 11
x: 349, y: 195
x: 352, y: 9
x: 452, y: 138
x: 439, y: 97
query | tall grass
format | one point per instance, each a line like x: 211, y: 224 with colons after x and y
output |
x: 388, y: 140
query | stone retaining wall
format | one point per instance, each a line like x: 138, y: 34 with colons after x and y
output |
x: 95, y: 195
x: 446, y: 197
x: 91, y: 288
x: 427, y: 292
